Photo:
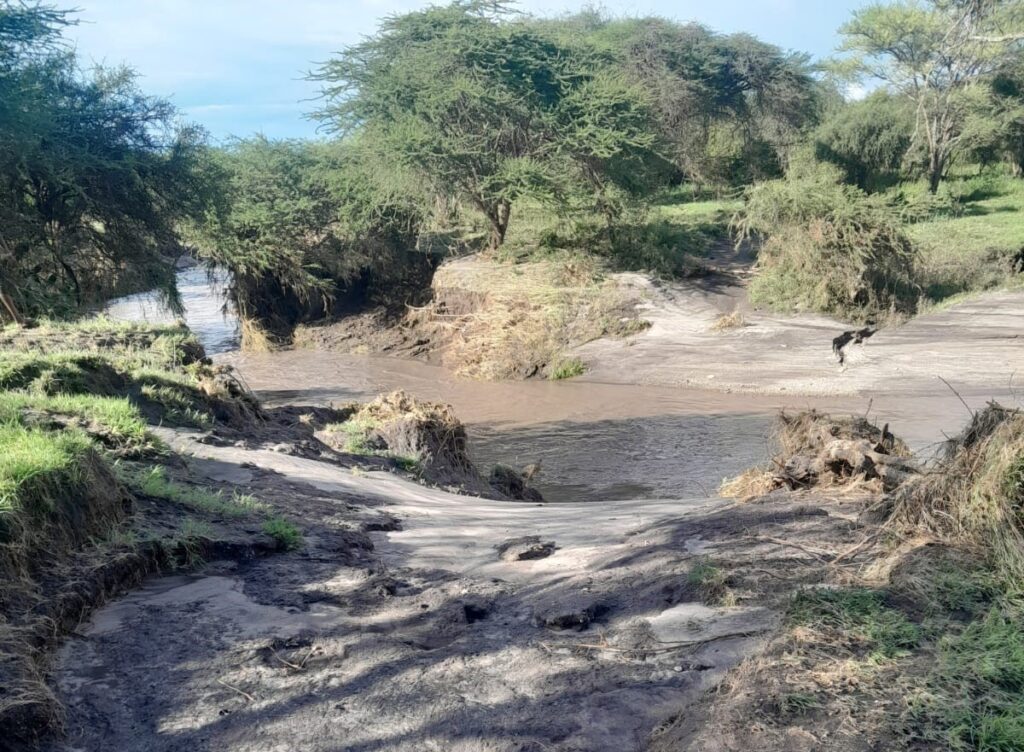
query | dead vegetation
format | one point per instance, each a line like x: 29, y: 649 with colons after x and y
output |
x: 492, y: 319
x: 815, y: 450
x: 423, y: 438
x: 912, y: 639
x: 974, y: 494
x: 729, y: 321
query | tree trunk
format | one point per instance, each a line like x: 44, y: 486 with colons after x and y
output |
x: 12, y: 309
x: 936, y: 168
x: 499, y: 224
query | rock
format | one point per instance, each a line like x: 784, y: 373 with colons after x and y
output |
x: 571, y: 612
x: 525, y: 549
x: 511, y: 483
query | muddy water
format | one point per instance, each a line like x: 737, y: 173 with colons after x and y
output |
x: 594, y: 441
x: 202, y: 296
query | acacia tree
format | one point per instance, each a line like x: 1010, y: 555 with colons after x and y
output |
x: 727, y: 108
x: 868, y: 140
x: 484, y: 107
x: 934, y: 53
x: 94, y: 174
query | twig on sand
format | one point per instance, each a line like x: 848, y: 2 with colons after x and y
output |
x: 823, y: 556
x: 289, y: 664
x: 954, y: 391
x: 246, y: 695
x: 668, y: 647
x: 853, y: 550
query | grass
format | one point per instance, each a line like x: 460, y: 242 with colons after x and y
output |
x: 116, y: 421
x: 154, y: 482
x: 860, y: 616
x: 288, y: 536
x: 355, y: 433
x: 972, y: 250
x: 711, y: 583
x: 35, y: 465
x: 567, y: 368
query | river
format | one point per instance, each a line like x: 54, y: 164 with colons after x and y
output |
x: 595, y: 441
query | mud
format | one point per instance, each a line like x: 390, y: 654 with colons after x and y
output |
x: 425, y: 637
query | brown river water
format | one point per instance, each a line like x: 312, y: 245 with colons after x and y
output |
x: 595, y: 441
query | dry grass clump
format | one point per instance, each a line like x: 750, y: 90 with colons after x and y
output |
x: 809, y: 431
x: 750, y: 484
x: 423, y: 435
x: 729, y: 321
x: 816, y: 449
x: 504, y: 320
x: 976, y: 494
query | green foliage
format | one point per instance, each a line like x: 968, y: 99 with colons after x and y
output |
x: 298, y: 223
x: 115, y: 421
x: 868, y: 140
x: 94, y: 174
x: 977, y: 687
x: 567, y: 368
x: 727, y: 107
x: 828, y: 248
x: 33, y: 465
x: 489, y: 109
x: 861, y: 616
x: 936, y: 54
x: 154, y: 482
x: 288, y: 536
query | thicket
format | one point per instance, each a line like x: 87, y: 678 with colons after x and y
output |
x: 95, y: 175
x: 453, y: 128
x: 826, y: 246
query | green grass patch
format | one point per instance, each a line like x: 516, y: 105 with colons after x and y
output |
x: 712, y: 583
x: 36, y: 465
x: 861, y: 616
x: 155, y: 483
x: 288, y: 536
x: 972, y: 249
x: 567, y: 368
x: 976, y: 700
x: 116, y: 421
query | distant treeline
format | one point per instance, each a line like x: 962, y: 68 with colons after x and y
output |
x: 448, y: 120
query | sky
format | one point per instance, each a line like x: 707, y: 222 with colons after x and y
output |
x: 237, y: 66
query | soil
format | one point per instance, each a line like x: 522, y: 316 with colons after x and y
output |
x: 403, y: 623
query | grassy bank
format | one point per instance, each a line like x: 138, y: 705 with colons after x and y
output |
x: 912, y: 633
x: 90, y: 499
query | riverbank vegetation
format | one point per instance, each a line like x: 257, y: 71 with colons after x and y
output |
x: 473, y: 127
x: 913, y: 634
x: 91, y: 499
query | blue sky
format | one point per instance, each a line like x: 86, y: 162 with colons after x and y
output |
x: 236, y: 66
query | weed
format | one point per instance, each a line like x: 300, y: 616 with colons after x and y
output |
x: 288, y: 536
x: 860, y: 617
x: 797, y: 703
x: 567, y: 368
x: 712, y: 584
x: 155, y: 483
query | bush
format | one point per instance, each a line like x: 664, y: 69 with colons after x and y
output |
x: 828, y: 248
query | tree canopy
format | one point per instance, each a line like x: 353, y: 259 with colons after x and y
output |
x: 94, y: 174
x: 487, y: 108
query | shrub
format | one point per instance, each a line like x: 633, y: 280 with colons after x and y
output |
x: 828, y: 248
x: 285, y: 533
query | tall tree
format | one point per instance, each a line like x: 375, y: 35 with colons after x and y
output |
x: 727, y: 107
x: 485, y: 107
x: 94, y: 174
x: 934, y: 52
